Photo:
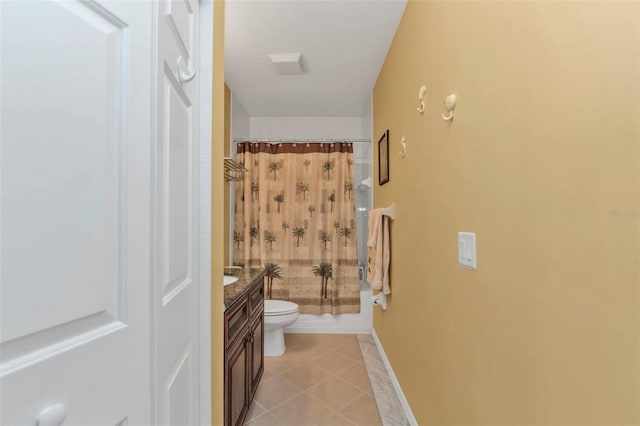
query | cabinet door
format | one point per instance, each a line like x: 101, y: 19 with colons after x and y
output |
x: 237, y: 383
x: 256, y: 349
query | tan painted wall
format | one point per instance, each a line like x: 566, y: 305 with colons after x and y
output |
x: 227, y: 153
x: 218, y: 240
x: 544, y: 144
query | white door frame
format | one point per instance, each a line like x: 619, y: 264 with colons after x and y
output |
x: 205, y: 69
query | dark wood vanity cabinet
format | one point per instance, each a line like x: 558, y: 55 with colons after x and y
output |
x: 244, y: 352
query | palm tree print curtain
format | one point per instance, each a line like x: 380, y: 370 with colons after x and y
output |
x: 295, y: 216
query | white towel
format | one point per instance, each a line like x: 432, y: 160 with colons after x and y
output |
x: 378, y: 251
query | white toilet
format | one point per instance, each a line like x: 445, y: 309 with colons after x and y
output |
x: 278, y: 314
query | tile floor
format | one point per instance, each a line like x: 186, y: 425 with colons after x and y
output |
x: 320, y: 380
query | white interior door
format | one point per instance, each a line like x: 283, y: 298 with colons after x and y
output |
x: 75, y: 146
x: 176, y: 200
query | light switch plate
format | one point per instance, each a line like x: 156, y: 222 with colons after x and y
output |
x: 467, y: 249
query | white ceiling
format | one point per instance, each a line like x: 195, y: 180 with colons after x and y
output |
x: 344, y: 44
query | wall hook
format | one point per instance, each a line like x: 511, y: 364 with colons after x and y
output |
x: 403, y: 151
x: 450, y: 104
x: 421, y: 94
x: 185, y: 77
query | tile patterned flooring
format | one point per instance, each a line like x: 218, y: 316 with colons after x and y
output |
x: 320, y: 380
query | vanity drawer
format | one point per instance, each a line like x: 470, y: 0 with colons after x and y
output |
x: 236, y: 320
x: 256, y: 297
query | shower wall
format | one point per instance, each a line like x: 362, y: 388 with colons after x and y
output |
x: 329, y: 128
x: 306, y: 127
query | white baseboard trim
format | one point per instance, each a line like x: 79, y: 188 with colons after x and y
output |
x: 394, y: 380
x: 327, y: 330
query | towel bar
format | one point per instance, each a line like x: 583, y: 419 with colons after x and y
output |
x: 390, y: 211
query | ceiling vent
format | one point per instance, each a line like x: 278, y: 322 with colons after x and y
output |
x: 287, y: 63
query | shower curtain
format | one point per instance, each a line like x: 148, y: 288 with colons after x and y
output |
x: 295, y: 217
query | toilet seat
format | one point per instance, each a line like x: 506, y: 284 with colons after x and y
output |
x: 279, y: 307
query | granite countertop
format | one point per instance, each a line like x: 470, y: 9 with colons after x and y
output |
x: 246, y: 277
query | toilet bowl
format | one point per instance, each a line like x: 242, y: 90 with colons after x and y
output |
x: 278, y: 314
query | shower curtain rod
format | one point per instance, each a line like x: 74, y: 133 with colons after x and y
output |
x: 330, y: 140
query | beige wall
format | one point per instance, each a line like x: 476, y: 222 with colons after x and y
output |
x: 545, y: 142
x: 218, y: 240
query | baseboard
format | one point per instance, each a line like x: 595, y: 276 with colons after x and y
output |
x: 327, y: 330
x: 394, y: 380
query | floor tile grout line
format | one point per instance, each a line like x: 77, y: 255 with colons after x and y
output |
x: 300, y: 390
x: 336, y: 413
x: 332, y: 411
x: 284, y: 401
x: 354, y: 385
x: 369, y: 390
x: 347, y: 420
x: 259, y: 405
x: 342, y: 406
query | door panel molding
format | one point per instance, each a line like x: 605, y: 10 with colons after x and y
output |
x: 178, y: 388
x: 37, y: 353
x: 179, y: 13
x: 176, y: 191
